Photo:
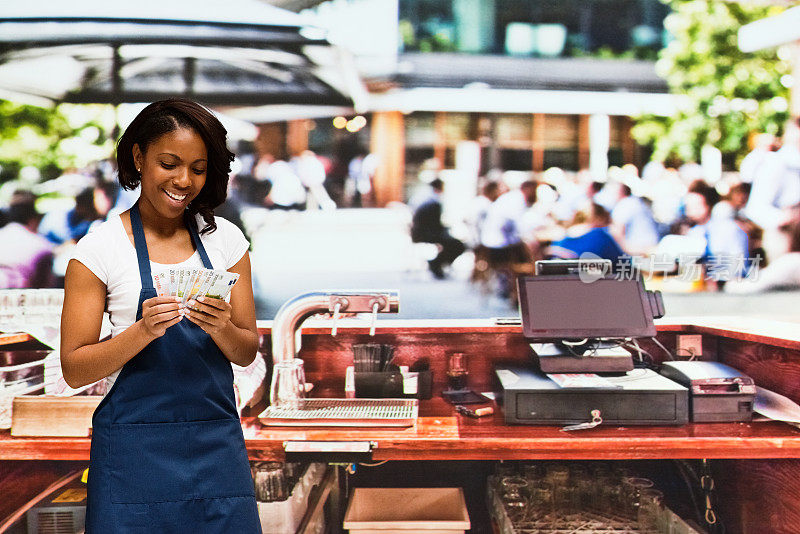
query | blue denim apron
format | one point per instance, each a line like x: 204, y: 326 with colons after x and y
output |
x: 168, y: 454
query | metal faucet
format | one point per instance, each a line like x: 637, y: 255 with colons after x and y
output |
x: 291, y: 315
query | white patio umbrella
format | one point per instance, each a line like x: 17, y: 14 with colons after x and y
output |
x: 237, y: 52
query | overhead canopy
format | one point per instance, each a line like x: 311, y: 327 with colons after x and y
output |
x: 771, y: 31
x: 237, y: 52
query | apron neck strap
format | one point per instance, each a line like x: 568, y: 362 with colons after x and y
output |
x: 141, y: 247
x: 198, y: 245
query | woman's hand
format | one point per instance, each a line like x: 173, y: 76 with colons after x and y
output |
x: 212, y: 315
x: 159, y: 313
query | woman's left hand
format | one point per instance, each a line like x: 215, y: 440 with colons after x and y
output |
x: 212, y: 315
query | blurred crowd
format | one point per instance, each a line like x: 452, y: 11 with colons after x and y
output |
x: 736, y: 231
x: 40, y: 222
x: 739, y: 230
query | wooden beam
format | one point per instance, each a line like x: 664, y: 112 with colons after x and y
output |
x: 537, y: 141
x: 388, y: 144
x: 626, y: 139
x: 440, y: 142
x: 583, y: 142
x: 271, y: 140
x: 296, y: 137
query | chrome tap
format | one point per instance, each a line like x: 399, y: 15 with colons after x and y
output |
x: 292, y: 314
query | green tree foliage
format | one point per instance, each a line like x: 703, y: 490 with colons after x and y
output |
x: 725, y: 94
x: 52, y: 139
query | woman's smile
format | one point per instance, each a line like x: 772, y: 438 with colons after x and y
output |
x: 177, y: 198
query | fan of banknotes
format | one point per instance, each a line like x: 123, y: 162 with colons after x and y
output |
x: 189, y: 284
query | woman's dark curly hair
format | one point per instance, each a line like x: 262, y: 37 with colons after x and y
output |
x: 166, y: 116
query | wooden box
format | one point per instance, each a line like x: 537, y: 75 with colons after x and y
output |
x: 407, y: 510
x: 46, y: 415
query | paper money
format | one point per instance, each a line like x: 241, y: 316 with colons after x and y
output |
x: 188, y: 284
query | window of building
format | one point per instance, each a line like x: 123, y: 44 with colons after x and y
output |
x: 536, y: 28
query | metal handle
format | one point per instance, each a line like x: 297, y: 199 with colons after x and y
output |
x: 339, y: 304
x: 377, y: 304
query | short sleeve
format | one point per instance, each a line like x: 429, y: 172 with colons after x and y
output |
x: 235, y: 243
x: 91, y: 250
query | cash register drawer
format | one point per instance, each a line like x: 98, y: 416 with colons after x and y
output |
x: 638, y: 397
x: 624, y: 408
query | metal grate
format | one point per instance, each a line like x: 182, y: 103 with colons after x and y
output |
x: 56, y: 522
x: 344, y: 412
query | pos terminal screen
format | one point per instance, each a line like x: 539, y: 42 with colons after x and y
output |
x: 557, y: 307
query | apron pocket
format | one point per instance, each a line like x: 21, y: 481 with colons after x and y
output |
x: 220, y: 464
x: 150, y: 462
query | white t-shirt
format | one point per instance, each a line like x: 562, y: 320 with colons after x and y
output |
x: 109, y: 254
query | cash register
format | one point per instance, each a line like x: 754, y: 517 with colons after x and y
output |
x: 581, y: 321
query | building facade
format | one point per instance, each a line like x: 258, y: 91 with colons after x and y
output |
x: 469, y: 86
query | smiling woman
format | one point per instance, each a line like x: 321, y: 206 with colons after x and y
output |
x: 167, y: 450
x: 151, y: 141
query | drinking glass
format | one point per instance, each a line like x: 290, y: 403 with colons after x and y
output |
x: 300, y: 368
x: 269, y: 481
x: 532, y: 473
x: 631, y: 490
x: 651, y: 510
x: 288, y: 387
x: 457, y: 371
x: 512, y: 488
x: 541, y: 501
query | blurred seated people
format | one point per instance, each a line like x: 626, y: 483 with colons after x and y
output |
x: 732, y: 204
x: 124, y: 200
x: 63, y: 226
x: 501, y: 235
x: 248, y: 190
x: 720, y: 243
x: 632, y: 222
x: 763, y: 145
x: 588, y: 235
x: 477, y: 209
x: 360, y: 174
x: 27, y: 257
x: 427, y: 227
x: 776, y: 183
x: 105, y: 196
x: 782, y: 272
x: 573, y: 191
x: 311, y: 172
x: 287, y: 191
x: 666, y: 194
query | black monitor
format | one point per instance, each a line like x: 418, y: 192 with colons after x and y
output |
x: 556, y: 308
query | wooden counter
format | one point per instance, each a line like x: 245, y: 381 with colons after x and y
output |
x: 764, y: 454
x: 768, y: 352
x: 770, y: 355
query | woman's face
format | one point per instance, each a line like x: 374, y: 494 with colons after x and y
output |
x: 173, y: 170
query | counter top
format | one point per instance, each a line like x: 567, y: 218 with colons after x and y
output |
x: 441, y: 434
